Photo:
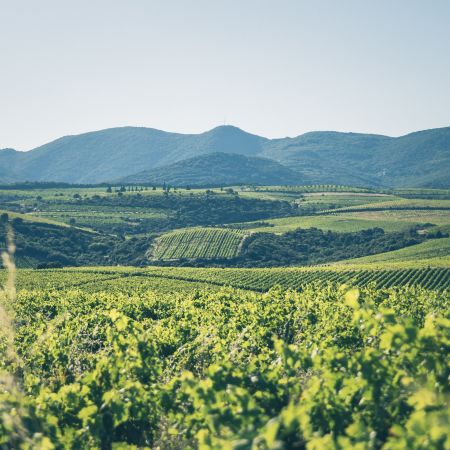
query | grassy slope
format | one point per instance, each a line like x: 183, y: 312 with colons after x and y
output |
x: 432, y: 252
x: 322, y: 200
x: 404, y: 203
x: 340, y: 223
x: 32, y: 218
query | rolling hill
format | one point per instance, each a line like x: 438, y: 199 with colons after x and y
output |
x: 218, y: 169
x: 420, y: 159
x: 113, y: 153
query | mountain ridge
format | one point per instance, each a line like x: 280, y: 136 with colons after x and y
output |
x: 417, y: 159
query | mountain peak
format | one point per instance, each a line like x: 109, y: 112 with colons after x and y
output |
x: 226, y: 130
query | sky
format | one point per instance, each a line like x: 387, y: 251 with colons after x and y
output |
x: 271, y: 67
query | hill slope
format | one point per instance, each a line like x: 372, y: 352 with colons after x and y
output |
x: 218, y: 169
x: 417, y: 159
x: 109, y: 154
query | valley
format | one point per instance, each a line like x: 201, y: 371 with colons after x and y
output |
x: 241, y: 226
x: 293, y: 294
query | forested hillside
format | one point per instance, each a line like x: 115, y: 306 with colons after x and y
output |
x: 416, y: 159
x: 218, y: 169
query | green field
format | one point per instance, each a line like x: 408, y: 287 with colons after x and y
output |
x: 198, y: 243
x: 344, y: 223
x: 319, y: 199
x: 63, y: 206
x: 100, y: 217
x: 402, y: 203
x: 30, y: 217
x: 436, y: 249
x: 297, y: 278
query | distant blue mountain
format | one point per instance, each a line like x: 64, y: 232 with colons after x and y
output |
x: 417, y: 159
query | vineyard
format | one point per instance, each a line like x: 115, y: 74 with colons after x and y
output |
x: 326, y: 368
x: 171, y: 279
x: 207, y: 243
x: 263, y: 279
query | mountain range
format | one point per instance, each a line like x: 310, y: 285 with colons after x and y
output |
x: 138, y: 155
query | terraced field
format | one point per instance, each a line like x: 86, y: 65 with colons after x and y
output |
x: 198, y: 243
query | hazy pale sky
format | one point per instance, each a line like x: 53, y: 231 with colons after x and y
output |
x: 275, y: 68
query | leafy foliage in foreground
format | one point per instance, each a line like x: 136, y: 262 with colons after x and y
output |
x: 326, y: 368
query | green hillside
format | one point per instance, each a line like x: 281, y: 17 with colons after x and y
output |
x: 420, y: 159
x: 342, y: 223
x: 218, y: 169
x: 206, y: 227
x: 417, y: 159
x: 432, y: 249
x: 117, y: 152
